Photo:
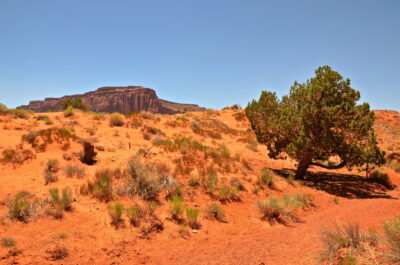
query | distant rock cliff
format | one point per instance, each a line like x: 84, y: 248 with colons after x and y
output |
x: 117, y: 99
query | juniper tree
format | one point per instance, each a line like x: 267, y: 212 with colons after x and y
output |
x: 319, y: 123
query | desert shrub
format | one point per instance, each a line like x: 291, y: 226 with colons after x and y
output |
x: 74, y: 102
x: 3, y: 109
x: 240, y: 116
x: 20, y: 113
x: 348, y: 260
x: 152, y: 130
x: 40, y: 139
x: 214, y: 211
x: 381, y: 178
x: 16, y: 156
x: 272, y: 209
x: 177, y: 207
x: 266, y: 179
x: 135, y: 214
x: 171, y: 187
x: 58, y: 252
x: 307, y: 200
x: 52, y: 166
x: 228, y: 194
x: 8, y: 242
x: 192, y: 215
x: 74, y: 170
x: 49, y: 177
x: 236, y: 183
x: 252, y: 146
x: 144, y: 179
x: 60, y: 202
x: 115, y: 210
x: 98, y: 116
x: 20, y: 207
x: 193, y: 182
x: 49, y: 121
x: 69, y: 112
x: 117, y: 120
x: 101, y: 188
x: 210, y: 182
x: 42, y: 117
x: 392, y: 238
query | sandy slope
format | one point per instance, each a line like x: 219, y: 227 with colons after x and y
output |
x: 244, y: 239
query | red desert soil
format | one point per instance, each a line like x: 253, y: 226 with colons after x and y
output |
x: 243, y: 239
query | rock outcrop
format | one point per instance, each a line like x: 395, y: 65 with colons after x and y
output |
x: 116, y: 99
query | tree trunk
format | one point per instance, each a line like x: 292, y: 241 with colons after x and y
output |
x: 302, y: 169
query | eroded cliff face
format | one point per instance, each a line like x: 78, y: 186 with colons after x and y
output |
x: 117, y: 99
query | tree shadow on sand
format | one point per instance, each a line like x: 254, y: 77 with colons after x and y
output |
x: 341, y: 185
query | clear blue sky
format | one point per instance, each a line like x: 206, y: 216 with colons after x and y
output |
x: 210, y: 52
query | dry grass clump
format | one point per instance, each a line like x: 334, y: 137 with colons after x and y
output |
x: 209, y: 182
x: 50, y: 177
x: 20, y: 207
x: 346, y: 244
x: 380, y: 177
x: 98, y: 116
x: 74, y: 170
x: 177, y: 208
x: 237, y: 184
x: 52, y: 167
x: 20, y: 113
x: 102, y: 186
x: 60, y: 202
x: 192, y: 216
x: 216, y: 212
x: 16, y: 156
x: 193, y: 182
x: 115, y: 210
x: 69, y: 112
x: 8, y: 242
x: 266, y: 179
x: 152, y: 130
x: 57, y: 252
x: 117, y: 120
x: 40, y: 139
x: 392, y: 239
x: 135, y: 214
x: 280, y: 211
x: 228, y: 194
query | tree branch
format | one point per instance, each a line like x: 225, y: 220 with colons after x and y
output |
x: 337, y: 166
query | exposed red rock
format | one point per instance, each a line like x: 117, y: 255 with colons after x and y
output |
x: 117, y: 99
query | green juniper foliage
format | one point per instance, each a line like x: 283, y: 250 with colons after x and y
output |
x: 316, y: 121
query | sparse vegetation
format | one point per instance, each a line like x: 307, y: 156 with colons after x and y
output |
x: 117, y: 120
x: 228, y: 194
x: 8, y: 242
x: 20, y: 207
x: 75, y: 103
x: 177, y: 208
x: 60, y: 202
x: 191, y: 215
x: 281, y: 211
x: 266, y: 179
x: 214, y: 211
x: 380, y: 177
x: 115, y: 210
x: 74, y: 170
x: 69, y: 112
x: 392, y: 239
x: 135, y: 214
x: 101, y: 188
x: 16, y: 156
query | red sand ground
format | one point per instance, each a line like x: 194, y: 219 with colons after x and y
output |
x: 244, y: 239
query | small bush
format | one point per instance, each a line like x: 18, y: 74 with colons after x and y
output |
x: 381, y: 178
x: 8, y: 242
x: 69, y: 112
x: 266, y: 179
x: 211, y: 181
x: 101, y: 188
x: 52, y: 166
x: 19, y: 207
x: 50, y: 178
x: 272, y: 209
x: 98, y: 116
x: 49, y: 121
x: 144, y: 179
x: 134, y: 214
x: 214, y: 211
x: 115, y: 211
x: 191, y: 215
x: 193, y: 182
x: 74, y: 102
x: 60, y: 203
x: 16, y: 156
x: 392, y: 238
x: 177, y: 208
x: 236, y: 183
x: 20, y: 113
x: 72, y: 170
x: 3, y: 109
x: 57, y: 253
x: 117, y: 120
x: 228, y: 194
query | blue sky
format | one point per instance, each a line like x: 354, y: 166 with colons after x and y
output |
x: 214, y: 53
